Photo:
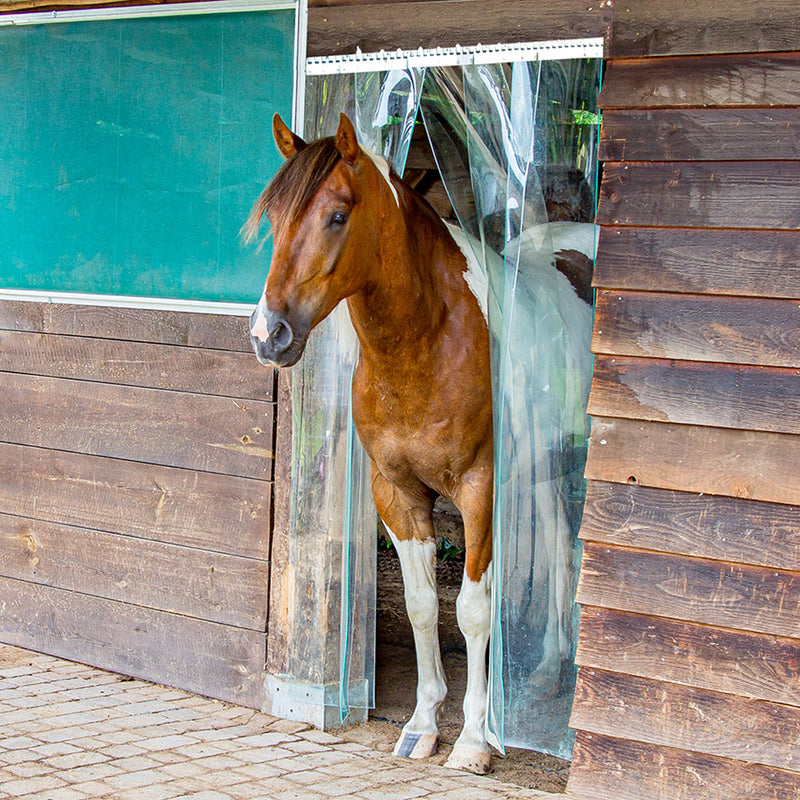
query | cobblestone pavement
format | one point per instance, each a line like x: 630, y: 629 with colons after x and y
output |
x: 71, y: 732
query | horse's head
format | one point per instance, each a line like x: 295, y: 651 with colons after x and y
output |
x: 325, y: 232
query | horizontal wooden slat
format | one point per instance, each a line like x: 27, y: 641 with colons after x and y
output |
x: 699, y: 261
x: 700, y: 134
x: 197, y: 583
x: 708, y: 194
x: 188, y: 369
x: 196, y: 509
x: 655, y: 712
x: 735, y: 662
x: 694, y: 589
x: 213, y: 434
x: 689, y: 458
x: 725, y: 80
x: 672, y: 27
x: 723, y: 528
x: 615, y: 769
x: 722, y: 395
x: 12, y: 6
x: 730, y: 330
x: 388, y: 26
x: 214, y: 331
x: 204, y: 657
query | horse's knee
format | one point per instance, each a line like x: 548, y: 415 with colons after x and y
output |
x: 474, y: 606
x: 422, y: 608
x: 417, y: 560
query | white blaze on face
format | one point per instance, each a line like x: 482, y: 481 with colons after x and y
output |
x: 258, y: 327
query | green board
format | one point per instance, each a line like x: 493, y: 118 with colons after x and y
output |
x: 132, y: 150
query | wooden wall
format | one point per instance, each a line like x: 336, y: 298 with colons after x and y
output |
x: 135, y: 493
x: 689, y: 652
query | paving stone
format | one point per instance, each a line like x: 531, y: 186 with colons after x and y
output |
x: 23, y: 786
x: 75, y: 733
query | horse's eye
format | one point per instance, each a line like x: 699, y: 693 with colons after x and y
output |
x: 338, y: 218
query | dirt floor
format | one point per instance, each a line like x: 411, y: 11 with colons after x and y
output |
x: 396, y: 680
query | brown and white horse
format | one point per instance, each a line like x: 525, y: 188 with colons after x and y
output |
x: 345, y: 228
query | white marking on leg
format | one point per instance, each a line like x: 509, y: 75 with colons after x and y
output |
x: 258, y: 326
x: 417, y: 560
x: 474, y: 613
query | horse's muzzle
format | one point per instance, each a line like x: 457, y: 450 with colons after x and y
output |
x: 274, y: 339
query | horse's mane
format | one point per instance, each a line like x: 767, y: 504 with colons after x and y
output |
x: 296, y: 182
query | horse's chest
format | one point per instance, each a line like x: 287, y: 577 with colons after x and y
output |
x: 417, y: 442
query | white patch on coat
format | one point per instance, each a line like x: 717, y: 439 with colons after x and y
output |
x: 258, y: 328
x: 383, y: 167
x: 475, y: 275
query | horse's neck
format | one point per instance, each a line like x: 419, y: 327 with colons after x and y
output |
x: 407, y: 299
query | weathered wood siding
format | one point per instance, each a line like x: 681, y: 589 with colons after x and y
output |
x: 689, y: 651
x: 135, y: 493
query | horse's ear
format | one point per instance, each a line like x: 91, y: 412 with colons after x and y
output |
x: 288, y: 143
x: 346, y: 140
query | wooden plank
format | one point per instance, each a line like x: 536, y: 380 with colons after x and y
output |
x: 203, y: 657
x: 693, y: 589
x: 17, y: 6
x: 654, y: 712
x: 213, y: 434
x: 614, y: 769
x: 689, y: 458
x: 157, y: 366
x: 729, y: 396
x: 672, y: 27
x: 195, y: 509
x: 726, y: 81
x: 734, y: 662
x: 700, y: 134
x: 196, y: 583
x: 699, y: 261
x: 729, y: 330
x: 212, y: 331
x: 709, y: 194
x: 723, y: 528
x: 334, y: 30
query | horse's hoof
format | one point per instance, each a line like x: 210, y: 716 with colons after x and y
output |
x: 470, y: 759
x: 416, y: 745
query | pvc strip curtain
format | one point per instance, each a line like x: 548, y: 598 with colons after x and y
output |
x: 515, y: 145
x: 333, y: 539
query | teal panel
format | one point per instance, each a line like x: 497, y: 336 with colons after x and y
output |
x: 132, y: 151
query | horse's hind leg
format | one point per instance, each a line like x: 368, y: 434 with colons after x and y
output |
x: 408, y: 520
x: 474, y: 613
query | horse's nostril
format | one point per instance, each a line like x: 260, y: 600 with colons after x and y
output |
x: 281, y: 335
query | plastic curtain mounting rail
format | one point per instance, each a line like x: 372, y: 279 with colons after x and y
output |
x: 423, y: 58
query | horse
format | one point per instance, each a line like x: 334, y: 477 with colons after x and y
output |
x: 346, y: 228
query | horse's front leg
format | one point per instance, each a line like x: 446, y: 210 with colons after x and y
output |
x: 407, y: 517
x: 474, y: 613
